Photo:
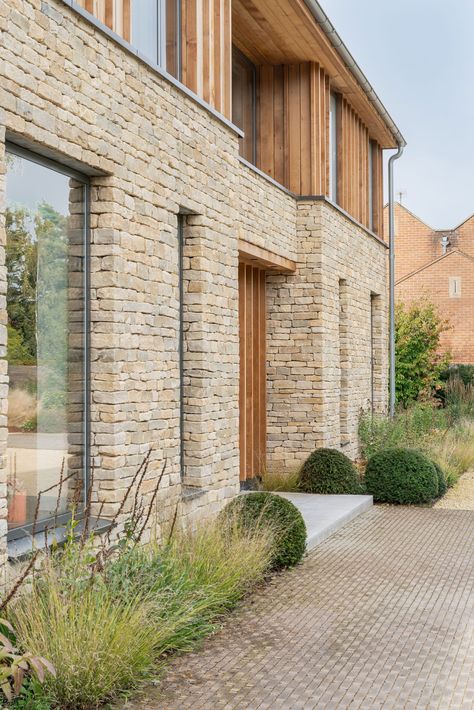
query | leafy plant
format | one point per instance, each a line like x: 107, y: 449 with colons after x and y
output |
x: 16, y: 667
x: 419, y: 364
x: 401, y: 476
x: 436, y: 431
x: 329, y: 471
x: 30, y: 425
x: 262, y: 510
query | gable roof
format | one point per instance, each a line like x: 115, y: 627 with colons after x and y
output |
x: 432, y: 263
x: 415, y: 216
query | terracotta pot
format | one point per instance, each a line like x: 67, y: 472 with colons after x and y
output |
x: 17, y: 508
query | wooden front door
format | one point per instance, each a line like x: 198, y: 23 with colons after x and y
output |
x: 253, y: 395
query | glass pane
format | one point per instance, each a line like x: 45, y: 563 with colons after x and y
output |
x: 145, y: 27
x: 243, y: 102
x: 172, y: 37
x: 45, y: 305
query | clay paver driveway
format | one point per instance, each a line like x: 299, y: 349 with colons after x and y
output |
x: 381, y: 615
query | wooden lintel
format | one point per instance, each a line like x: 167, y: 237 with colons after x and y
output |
x: 258, y: 256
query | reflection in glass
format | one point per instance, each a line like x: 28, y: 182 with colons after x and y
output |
x: 45, y: 304
x: 244, y: 103
x: 145, y: 27
x: 156, y: 30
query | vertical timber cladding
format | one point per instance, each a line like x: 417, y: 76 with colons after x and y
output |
x: 207, y: 51
x: 353, y: 169
x: 253, y: 387
x: 293, y: 123
x: 206, y: 38
x: 293, y: 140
x: 116, y: 14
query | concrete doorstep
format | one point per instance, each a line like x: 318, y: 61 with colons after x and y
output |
x: 326, y: 514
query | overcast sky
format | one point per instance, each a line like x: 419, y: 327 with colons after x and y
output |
x: 419, y: 57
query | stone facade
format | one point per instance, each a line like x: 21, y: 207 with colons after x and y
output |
x: 70, y: 92
x: 424, y: 271
x: 321, y: 349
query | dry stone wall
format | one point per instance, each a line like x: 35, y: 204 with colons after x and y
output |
x: 69, y: 92
x: 322, y: 349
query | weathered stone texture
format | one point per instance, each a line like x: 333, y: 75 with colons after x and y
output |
x: 70, y: 92
x: 321, y: 345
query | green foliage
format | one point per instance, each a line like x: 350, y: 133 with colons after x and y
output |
x: 96, y: 644
x: 30, y: 425
x: 444, y: 434
x: 459, y: 398
x: 263, y: 508
x: 452, y: 449
x: 16, y: 668
x: 442, y: 484
x: 410, y: 427
x: 21, y: 254
x: 464, y: 372
x: 104, y: 615
x: 401, y: 476
x: 31, y: 697
x: 17, y: 350
x: 329, y: 471
x: 37, y: 262
x: 418, y: 363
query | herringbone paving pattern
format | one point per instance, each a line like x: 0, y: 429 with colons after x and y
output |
x: 381, y: 615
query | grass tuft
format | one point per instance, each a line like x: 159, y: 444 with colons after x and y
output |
x: 281, y: 480
x: 104, y: 631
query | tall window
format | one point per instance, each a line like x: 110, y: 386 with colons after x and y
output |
x: 344, y: 365
x: 244, y: 103
x: 371, y: 185
x: 333, y: 148
x: 376, y: 359
x: 181, y: 224
x: 46, y: 307
x: 156, y: 32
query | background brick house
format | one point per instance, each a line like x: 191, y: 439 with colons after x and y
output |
x: 438, y: 264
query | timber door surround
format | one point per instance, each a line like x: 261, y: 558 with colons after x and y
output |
x: 254, y: 262
x: 253, y: 376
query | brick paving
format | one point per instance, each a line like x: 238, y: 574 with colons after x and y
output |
x: 381, y: 615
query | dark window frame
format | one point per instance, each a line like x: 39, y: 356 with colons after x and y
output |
x: 161, y: 57
x: 47, y: 524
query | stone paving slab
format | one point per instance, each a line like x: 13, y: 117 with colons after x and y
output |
x: 380, y: 615
x: 325, y: 514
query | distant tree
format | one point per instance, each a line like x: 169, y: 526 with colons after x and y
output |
x: 37, y: 286
x: 21, y: 264
x: 419, y: 362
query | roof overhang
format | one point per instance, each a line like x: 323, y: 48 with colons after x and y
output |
x: 293, y: 31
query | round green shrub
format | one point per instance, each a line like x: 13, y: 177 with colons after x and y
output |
x: 401, y: 476
x: 329, y: 471
x: 260, y: 508
x: 442, y: 483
